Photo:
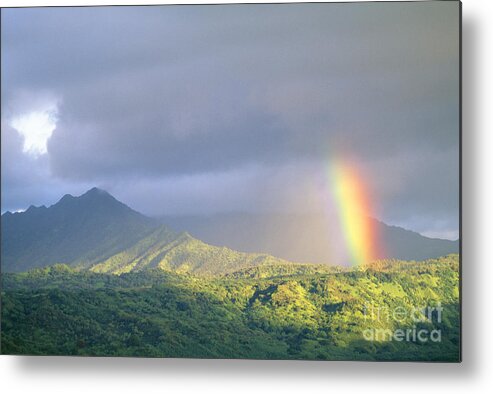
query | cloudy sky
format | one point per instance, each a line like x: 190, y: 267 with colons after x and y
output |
x: 207, y: 109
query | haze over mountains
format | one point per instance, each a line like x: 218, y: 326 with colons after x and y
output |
x: 97, y: 231
x: 303, y: 238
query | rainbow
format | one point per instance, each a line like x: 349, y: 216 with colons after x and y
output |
x: 353, y: 203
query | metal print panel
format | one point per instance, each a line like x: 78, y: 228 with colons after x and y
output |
x: 263, y: 181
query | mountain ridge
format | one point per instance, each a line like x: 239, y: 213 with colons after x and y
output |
x: 301, y: 237
x: 76, y: 230
x: 96, y: 231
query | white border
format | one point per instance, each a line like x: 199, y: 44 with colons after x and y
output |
x: 90, y: 375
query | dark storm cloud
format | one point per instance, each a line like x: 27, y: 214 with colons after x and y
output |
x: 173, y: 94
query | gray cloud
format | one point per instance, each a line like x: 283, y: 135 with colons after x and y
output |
x: 193, y: 103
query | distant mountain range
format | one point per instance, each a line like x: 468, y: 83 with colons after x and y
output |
x: 303, y: 238
x: 95, y: 231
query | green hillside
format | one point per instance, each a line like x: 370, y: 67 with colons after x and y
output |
x: 183, y: 254
x: 267, y: 311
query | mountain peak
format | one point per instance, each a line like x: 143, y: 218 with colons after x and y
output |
x: 100, y: 196
x: 91, y: 199
x: 67, y: 197
x: 97, y: 194
x: 96, y: 191
x: 83, y: 229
